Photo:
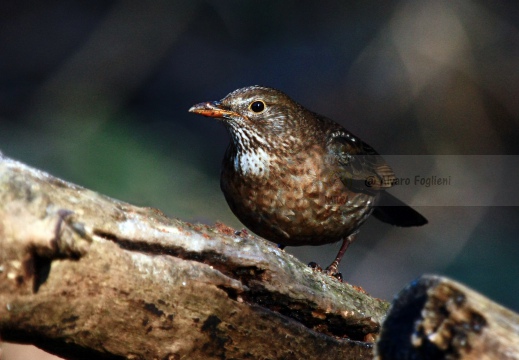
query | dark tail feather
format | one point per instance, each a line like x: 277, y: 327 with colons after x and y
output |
x: 393, y: 211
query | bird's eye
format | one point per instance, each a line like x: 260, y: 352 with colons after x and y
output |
x: 257, y: 106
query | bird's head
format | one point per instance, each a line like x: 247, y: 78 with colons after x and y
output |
x: 256, y: 116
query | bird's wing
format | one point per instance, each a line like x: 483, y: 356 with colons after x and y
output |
x: 361, y: 167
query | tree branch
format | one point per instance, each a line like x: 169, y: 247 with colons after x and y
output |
x: 438, y: 318
x: 83, y: 276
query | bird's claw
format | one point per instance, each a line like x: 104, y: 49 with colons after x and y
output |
x: 242, y: 233
x: 330, y: 271
x: 315, y: 266
x: 338, y: 276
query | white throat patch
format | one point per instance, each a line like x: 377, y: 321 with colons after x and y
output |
x: 252, y: 162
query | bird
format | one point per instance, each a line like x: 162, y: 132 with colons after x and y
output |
x: 297, y: 178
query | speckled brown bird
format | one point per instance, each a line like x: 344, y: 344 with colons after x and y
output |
x: 297, y: 178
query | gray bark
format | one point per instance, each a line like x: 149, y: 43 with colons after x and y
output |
x: 83, y: 275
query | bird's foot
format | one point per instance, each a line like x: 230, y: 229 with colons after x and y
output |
x: 336, y: 275
x: 315, y: 266
x: 243, y: 232
x: 330, y: 271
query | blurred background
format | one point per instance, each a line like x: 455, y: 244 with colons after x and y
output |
x: 97, y: 92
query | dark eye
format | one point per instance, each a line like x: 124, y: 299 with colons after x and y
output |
x: 257, y: 106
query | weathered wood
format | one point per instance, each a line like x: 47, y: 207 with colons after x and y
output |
x: 438, y: 318
x: 86, y: 276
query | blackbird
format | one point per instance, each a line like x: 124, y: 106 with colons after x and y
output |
x: 298, y: 178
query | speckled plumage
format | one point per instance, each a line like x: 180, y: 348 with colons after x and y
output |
x: 296, y: 177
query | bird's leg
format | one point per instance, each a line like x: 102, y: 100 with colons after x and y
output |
x: 332, y: 269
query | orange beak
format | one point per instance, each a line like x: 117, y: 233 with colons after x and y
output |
x: 212, y: 109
